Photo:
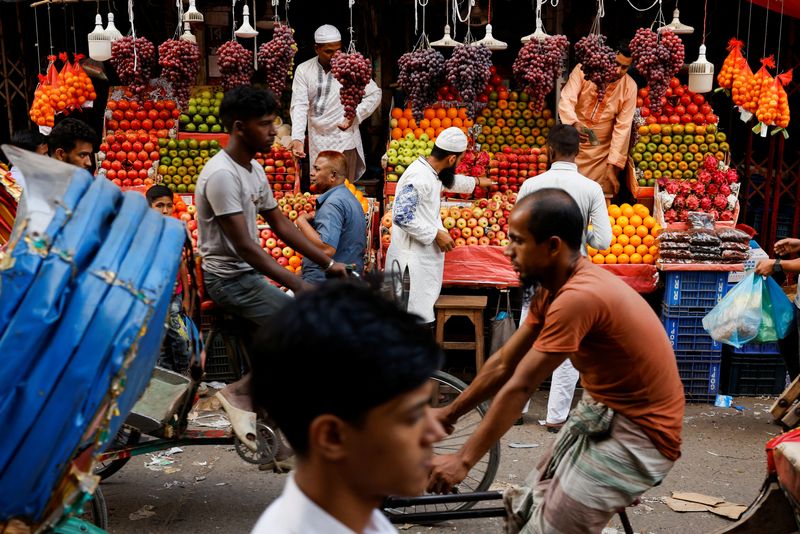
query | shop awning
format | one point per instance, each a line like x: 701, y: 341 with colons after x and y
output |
x: 791, y: 8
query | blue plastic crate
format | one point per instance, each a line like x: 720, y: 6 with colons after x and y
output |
x: 695, y: 289
x: 758, y: 348
x: 685, y: 330
x: 755, y: 374
x: 700, y: 378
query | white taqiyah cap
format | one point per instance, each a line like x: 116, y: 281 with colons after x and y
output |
x: 452, y: 139
x: 327, y: 34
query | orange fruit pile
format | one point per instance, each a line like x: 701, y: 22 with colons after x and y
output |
x: 634, y: 237
x: 433, y: 122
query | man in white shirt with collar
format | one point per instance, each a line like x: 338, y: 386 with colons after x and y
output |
x: 316, y: 104
x: 563, y: 145
x: 353, y: 399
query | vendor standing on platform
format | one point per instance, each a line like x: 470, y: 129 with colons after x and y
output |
x: 338, y: 228
x: 419, y: 240
x: 610, y: 120
x: 316, y: 104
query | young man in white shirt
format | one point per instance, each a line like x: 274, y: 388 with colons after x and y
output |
x: 353, y: 400
x: 563, y: 145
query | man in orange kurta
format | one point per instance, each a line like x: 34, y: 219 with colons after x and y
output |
x: 611, y: 120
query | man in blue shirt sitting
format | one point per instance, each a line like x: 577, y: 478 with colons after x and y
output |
x: 339, y: 227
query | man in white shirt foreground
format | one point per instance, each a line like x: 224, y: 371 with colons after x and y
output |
x: 563, y: 145
x: 353, y: 399
x: 316, y: 104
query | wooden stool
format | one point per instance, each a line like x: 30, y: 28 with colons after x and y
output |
x: 472, y: 308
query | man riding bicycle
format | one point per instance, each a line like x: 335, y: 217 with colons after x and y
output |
x: 232, y: 190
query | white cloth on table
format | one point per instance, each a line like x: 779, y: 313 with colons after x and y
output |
x: 415, y: 223
x: 294, y: 513
x: 316, y: 105
x: 585, y: 192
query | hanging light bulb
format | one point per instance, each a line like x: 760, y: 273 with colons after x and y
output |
x: 99, y: 41
x: 701, y: 73
x: 187, y: 33
x: 676, y: 26
x: 111, y: 30
x: 490, y: 42
x: 192, y: 15
x: 246, y: 31
x: 446, y: 41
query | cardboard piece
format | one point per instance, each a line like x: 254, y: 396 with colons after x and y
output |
x: 696, y: 502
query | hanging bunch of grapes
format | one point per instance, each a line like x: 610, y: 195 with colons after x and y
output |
x: 598, y: 61
x: 276, y: 58
x: 421, y: 74
x: 539, y: 64
x: 235, y: 65
x: 134, y: 70
x: 658, y: 57
x: 353, y: 71
x: 469, y: 70
x: 180, y: 64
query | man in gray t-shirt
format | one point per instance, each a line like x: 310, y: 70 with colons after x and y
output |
x: 231, y: 191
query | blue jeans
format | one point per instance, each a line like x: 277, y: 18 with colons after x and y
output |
x: 249, y: 295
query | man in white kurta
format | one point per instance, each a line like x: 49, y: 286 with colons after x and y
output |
x: 419, y: 240
x: 316, y: 106
x: 563, y: 146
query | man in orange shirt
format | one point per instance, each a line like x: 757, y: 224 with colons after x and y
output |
x: 610, y: 119
x: 625, y: 434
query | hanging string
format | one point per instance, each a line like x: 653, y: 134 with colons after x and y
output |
x: 66, y: 27
x: 749, y: 23
x: 601, y: 12
x: 287, y: 11
x: 766, y: 30
x: 423, y: 41
x: 233, y: 17
x: 50, y: 28
x: 660, y: 20
x: 645, y: 9
x: 738, y: 18
x: 74, y: 38
x: 352, y: 47
x: 780, y: 37
x: 38, y: 48
x: 179, y: 5
x: 133, y: 35
x: 470, y: 3
x: 275, y: 5
x: 705, y: 15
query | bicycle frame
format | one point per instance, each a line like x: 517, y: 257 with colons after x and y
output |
x: 187, y: 438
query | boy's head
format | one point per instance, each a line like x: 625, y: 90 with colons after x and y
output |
x: 344, y: 373
x: 160, y: 198
x: 30, y: 140
x: 248, y: 113
x: 72, y: 141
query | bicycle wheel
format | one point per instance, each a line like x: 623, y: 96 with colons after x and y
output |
x: 95, y: 511
x: 481, y: 476
x: 126, y: 436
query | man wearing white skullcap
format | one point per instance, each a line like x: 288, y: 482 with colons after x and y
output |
x: 419, y: 240
x: 316, y: 105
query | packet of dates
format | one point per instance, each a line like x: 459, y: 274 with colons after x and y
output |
x: 715, y: 191
x: 703, y: 243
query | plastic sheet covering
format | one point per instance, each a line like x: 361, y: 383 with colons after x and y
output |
x: 488, y: 266
x: 81, y: 340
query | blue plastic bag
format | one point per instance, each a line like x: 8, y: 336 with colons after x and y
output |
x: 736, y: 319
x: 778, y: 313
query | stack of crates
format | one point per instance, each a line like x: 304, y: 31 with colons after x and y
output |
x: 688, y: 297
x: 754, y: 369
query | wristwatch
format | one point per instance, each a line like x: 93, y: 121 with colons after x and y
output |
x: 328, y: 268
x: 776, y: 267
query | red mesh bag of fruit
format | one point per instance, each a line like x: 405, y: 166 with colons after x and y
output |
x: 760, y: 79
x: 742, y: 74
x: 731, y: 64
x: 42, y: 112
x: 773, y: 104
x: 84, y: 88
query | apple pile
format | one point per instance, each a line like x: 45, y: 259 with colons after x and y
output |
x: 293, y: 205
x: 155, y: 117
x: 182, y: 160
x: 403, y: 152
x: 285, y: 255
x: 715, y: 191
x: 678, y: 106
x: 510, y: 119
x: 483, y: 223
x: 280, y: 170
x: 128, y: 158
x: 510, y: 167
x: 202, y: 112
x: 675, y: 151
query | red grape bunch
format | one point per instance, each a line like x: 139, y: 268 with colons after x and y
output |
x: 353, y: 71
x: 421, y: 74
x: 235, y: 65
x: 122, y: 58
x: 180, y: 64
x: 469, y: 70
x: 598, y: 61
x: 276, y: 58
x: 658, y: 57
x: 539, y: 64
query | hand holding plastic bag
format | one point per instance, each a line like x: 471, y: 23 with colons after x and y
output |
x: 756, y: 309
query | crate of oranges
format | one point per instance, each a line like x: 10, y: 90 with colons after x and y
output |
x: 634, y: 232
